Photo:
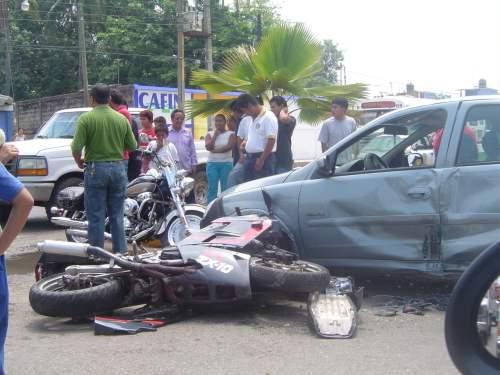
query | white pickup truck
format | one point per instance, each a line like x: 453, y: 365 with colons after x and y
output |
x: 45, y: 164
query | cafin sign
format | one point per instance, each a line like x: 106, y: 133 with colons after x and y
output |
x: 160, y: 100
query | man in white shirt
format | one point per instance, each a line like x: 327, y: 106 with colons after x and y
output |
x: 237, y: 176
x: 260, y: 144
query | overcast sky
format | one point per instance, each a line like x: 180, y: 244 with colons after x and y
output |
x: 439, y: 45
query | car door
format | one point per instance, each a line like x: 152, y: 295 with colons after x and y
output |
x: 385, y: 218
x: 470, y: 198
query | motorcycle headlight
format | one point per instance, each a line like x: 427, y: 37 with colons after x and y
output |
x: 32, y: 166
x: 187, y: 185
x: 130, y: 207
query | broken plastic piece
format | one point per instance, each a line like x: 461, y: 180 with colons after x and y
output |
x: 104, y: 325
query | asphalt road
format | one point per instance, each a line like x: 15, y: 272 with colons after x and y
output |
x: 266, y: 338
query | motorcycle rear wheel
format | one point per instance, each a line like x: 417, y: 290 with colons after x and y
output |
x: 51, y: 297
x: 300, y: 276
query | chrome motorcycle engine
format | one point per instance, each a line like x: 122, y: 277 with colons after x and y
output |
x: 130, y: 207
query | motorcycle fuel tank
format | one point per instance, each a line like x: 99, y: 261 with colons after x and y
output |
x: 143, y: 184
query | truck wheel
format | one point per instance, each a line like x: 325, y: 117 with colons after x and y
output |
x: 63, y: 184
x: 4, y: 214
x: 200, y: 190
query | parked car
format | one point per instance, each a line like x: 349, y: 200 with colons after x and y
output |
x: 387, y: 213
x: 45, y: 164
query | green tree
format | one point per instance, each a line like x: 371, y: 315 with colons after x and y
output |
x: 284, y: 63
x: 127, y: 41
x: 331, y: 62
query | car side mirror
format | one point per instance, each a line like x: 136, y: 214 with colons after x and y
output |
x: 325, y: 165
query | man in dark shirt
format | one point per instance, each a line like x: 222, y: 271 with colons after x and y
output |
x: 286, y: 126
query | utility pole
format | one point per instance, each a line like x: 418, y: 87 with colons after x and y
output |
x: 4, y: 27
x: 258, y: 31
x: 180, y: 53
x: 207, y: 26
x: 83, y: 53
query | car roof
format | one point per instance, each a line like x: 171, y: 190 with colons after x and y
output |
x: 132, y: 110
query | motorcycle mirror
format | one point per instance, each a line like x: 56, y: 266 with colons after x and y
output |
x: 472, y: 324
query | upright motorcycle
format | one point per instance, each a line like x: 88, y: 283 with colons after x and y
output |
x: 154, y: 208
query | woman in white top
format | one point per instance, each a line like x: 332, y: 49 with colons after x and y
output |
x: 166, y: 150
x: 220, y: 143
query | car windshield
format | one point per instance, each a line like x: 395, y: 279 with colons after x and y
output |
x: 60, y: 125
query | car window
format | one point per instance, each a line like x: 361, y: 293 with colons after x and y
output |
x: 61, y: 125
x: 480, y: 139
x: 394, y: 141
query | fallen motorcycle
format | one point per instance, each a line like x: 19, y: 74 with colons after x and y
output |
x: 225, y: 262
x: 154, y: 208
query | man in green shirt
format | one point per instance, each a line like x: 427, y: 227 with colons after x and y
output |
x: 104, y: 134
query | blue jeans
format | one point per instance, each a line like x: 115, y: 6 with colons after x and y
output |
x: 4, y: 310
x: 237, y: 175
x: 217, y: 172
x: 105, y: 191
x: 266, y: 171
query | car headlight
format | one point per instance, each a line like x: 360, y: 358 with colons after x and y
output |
x: 187, y: 185
x: 32, y: 166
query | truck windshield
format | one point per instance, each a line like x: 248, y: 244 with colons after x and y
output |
x: 61, y: 125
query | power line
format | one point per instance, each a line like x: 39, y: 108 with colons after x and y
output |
x: 110, y: 15
x: 92, y: 22
x: 75, y: 49
x: 72, y: 47
x: 69, y: 4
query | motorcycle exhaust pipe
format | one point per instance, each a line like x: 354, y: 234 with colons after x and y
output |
x: 69, y: 223
x: 63, y: 248
x: 84, y: 233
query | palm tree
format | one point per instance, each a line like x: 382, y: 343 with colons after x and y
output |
x: 284, y: 63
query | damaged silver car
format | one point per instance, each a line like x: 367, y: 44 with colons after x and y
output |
x: 398, y: 211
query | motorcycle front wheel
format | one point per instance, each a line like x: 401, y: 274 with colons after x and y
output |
x: 54, y: 296
x: 299, y: 276
x: 176, y: 231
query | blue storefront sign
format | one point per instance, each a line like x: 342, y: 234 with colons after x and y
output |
x: 161, y: 100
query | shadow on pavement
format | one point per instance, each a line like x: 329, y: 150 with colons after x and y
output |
x: 59, y: 325
x: 21, y: 264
